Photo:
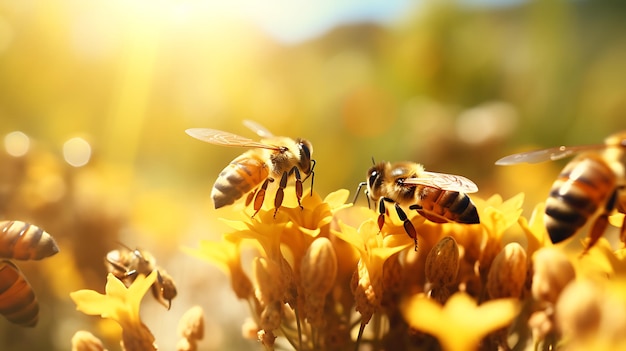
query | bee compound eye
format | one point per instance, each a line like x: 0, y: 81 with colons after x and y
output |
x: 373, y: 177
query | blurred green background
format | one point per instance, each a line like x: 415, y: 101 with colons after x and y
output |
x: 102, y: 91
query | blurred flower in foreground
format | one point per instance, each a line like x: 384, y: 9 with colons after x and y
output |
x: 460, y: 324
x: 121, y: 305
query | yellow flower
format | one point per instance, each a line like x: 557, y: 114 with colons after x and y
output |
x: 122, y: 305
x: 460, y: 324
x: 225, y: 254
x: 374, y: 249
x: 535, y: 229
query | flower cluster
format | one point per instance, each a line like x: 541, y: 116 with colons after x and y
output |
x: 122, y: 304
x: 325, y: 277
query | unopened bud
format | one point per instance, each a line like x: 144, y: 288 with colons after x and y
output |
x: 442, y: 263
x: 191, y: 324
x: 269, y: 287
x: 507, y: 273
x: 579, y: 310
x: 318, y: 269
x: 552, y: 271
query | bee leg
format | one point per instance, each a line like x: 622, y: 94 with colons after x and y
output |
x: 598, y: 228
x: 382, y: 210
x: 408, y: 226
x: 298, y: 185
x: 260, y: 196
x: 280, y: 193
x: 250, y: 197
x: 599, y: 225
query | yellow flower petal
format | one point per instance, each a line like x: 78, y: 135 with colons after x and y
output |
x: 460, y: 324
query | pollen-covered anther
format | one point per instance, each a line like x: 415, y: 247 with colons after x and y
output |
x: 267, y: 338
x: 318, y: 271
x: 85, y: 341
x: 552, y: 271
x: 507, y: 273
x: 442, y: 263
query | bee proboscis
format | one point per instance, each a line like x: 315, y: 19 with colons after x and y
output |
x: 23, y: 241
x: 250, y: 173
x: 18, y: 303
x: 438, y: 197
x: 590, y: 186
x: 125, y: 264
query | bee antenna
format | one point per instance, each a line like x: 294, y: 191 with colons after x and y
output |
x: 373, y: 162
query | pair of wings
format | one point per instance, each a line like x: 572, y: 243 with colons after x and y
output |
x: 448, y: 182
x: 220, y: 137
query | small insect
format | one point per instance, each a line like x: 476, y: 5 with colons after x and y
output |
x: 24, y: 241
x: 125, y: 264
x: 18, y: 303
x: 438, y: 197
x: 250, y: 173
x: 590, y: 186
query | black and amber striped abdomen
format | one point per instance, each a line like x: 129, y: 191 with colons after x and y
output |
x: 584, y: 185
x: 238, y: 178
x: 17, y: 299
x: 23, y: 241
x: 440, y: 206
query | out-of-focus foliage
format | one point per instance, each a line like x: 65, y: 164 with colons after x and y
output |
x: 452, y: 86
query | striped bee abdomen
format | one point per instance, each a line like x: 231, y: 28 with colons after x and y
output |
x: 23, y: 241
x: 17, y: 299
x: 238, y: 178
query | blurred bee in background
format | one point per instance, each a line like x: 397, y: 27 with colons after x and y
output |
x: 590, y: 186
x: 125, y: 264
x: 18, y: 303
x: 21, y: 241
x: 24, y: 241
x: 438, y: 197
x: 272, y: 158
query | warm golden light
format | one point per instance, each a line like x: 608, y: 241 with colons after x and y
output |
x: 77, y: 152
x: 16, y: 143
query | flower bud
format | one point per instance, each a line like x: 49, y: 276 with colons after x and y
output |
x: 442, y: 263
x: 507, y: 274
x: 367, y: 292
x: 269, y: 282
x: 552, y: 271
x: 318, y: 269
x: 579, y: 310
x: 191, y: 324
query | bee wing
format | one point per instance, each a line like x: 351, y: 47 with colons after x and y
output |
x: 550, y: 154
x: 219, y: 137
x: 444, y: 181
x: 258, y: 129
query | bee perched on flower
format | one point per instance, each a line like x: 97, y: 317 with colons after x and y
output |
x: 273, y: 158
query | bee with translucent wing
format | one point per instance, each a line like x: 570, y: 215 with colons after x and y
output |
x: 590, y: 186
x: 438, y: 197
x: 250, y: 173
x: 125, y: 264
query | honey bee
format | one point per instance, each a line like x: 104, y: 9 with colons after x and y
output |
x: 590, y: 186
x: 18, y: 303
x: 437, y: 197
x: 24, y: 241
x: 125, y: 264
x: 250, y: 173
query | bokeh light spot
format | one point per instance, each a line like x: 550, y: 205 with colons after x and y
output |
x: 16, y: 143
x: 77, y: 152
